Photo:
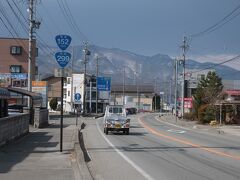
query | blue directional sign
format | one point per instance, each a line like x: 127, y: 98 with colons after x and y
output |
x: 63, y: 41
x: 63, y: 58
x: 104, y: 83
x: 77, y: 97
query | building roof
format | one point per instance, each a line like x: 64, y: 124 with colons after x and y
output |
x: 233, y: 92
x: 132, y: 88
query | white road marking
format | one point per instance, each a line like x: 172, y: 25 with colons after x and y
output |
x: 172, y: 124
x: 176, y: 131
x: 135, y: 166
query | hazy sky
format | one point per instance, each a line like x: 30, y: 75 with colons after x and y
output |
x: 145, y: 27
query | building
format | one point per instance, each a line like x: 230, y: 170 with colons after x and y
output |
x: 74, y: 85
x: 133, y: 96
x: 231, y: 84
x: 229, y: 107
x: 192, y: 80
x: 54, y: 88
x: 140, y: 97
x: 14, y: 62
x: 14, y: 66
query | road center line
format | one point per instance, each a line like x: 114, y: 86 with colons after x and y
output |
x: 134, y: 165
x: 182, y: 141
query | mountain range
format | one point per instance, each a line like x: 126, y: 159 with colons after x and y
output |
x: 138, y: 68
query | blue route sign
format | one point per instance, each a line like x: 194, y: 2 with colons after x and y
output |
x: 62, y: 58
x: 63, y: 41
x: 77, y: 97
x: 104, y: 83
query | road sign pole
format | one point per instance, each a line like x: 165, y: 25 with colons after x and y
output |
x: 62, y: 58
x: 61, y: 123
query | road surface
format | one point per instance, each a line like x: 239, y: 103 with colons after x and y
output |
x: 156, y: 150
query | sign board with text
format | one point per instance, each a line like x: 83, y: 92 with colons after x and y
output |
x: 41, y: 88
x: 104, y: 83
x: 63, y: 41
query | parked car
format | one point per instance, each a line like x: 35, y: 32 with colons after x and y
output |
x: 131, y: 110
x: 115, y: 119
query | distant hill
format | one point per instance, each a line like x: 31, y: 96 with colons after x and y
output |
x: 143, y: 68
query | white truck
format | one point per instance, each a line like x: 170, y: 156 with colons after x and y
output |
x: 115, y: 119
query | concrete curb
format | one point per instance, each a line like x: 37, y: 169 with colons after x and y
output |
x: 82, y: 158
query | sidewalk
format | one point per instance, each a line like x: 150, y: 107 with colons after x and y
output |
x: 37, y: 156
x: 224, y: 129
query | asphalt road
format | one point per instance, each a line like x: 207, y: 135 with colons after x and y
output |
x: 156, y: 150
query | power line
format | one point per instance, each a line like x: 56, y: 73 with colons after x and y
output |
x: 20, y: 12
x: 24, y: 26
x: 219, y: 24
x: 17, y: 17
x: 215, y: 65
x: 73, y: 20
x: 8, y: 25
x: 4, y: 14
x: 69, y: 18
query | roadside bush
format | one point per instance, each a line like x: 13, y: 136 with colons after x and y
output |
x: 53, y: 103
x: 209, y: 114
x: 189, y: 116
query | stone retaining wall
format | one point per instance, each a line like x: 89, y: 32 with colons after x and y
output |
x: 40, y: 117
x: 13, y: 126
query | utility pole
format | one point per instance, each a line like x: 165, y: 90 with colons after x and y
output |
x: 72, y: 100
x: 184, y: 49
x: 155, y: 95
x: 123, y: 85
x: 176, y: 80
x: 90, y: 98
x: 96, y: 86
x: 137, y: 92
x: 86, y: 53
x: 30, y: 46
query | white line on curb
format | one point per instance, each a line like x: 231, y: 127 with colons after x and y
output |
x: 172, y: 124
x: 135, y: 166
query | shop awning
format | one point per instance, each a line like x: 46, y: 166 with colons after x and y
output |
x: 34, y: 96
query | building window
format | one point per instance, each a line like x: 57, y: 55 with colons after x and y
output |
x: 15, y: 69
x: 68, y: 93
x: 68, y: 80
x: 200, y: 76
x: 16, y: 50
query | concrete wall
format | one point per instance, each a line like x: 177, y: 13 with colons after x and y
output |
x: 13, y: 126
x: 40, y: 117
